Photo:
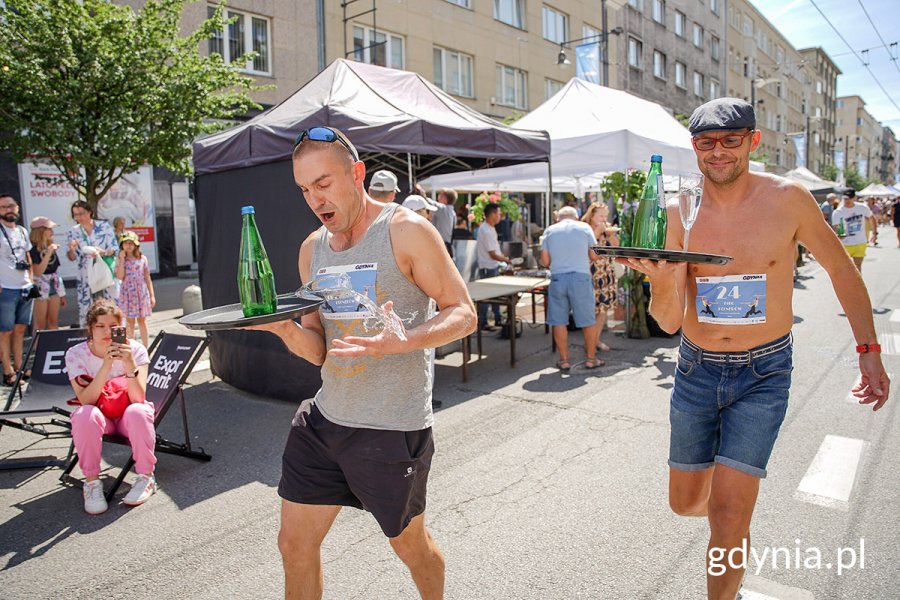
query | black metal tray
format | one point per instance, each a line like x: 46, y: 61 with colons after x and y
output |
x: 670, y: 255
x: 231, y: 316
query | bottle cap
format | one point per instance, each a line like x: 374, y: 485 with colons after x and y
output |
x: 656, y: 158
x: 248, y: 210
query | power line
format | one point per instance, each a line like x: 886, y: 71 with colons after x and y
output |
x: 855, y: 53
x: 883, y: 43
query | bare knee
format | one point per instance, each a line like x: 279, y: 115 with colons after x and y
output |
x: 683, y: 506
x: 729, y: 518
x: 689, y: 492
x: 415, y: 547
x: 296, y: 548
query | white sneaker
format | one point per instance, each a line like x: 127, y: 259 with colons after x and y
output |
x: 94, y: 502
x: 143, y: 487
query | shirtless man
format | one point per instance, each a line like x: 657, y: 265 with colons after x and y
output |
x: 718, y: 453
x: 365, y: 439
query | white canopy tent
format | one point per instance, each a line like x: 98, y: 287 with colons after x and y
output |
x: 810, y: 180
x: 593, y: 130
x: 877, y: 190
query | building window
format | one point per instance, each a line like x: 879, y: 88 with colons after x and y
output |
x: 714, y: 47
x: 659, y: 64
x: 377, y: 47
x: 698, y: 36
x: 816, y: 138
x: 463, y: 3
x: 735, y: 17
x: 248, y: 33
x: 818, y: 86
x: 635, y: 53
x: 818, y: 111
x: 511, y: 87
x: 636, y: 5
x: 556, y: 25
x: 779, y: 55
x: 748, y: 26
x: 713, y: 89
x: 680, y: 70
x: 551, y: 87
x: 680, y: 23
x: 839, y: 104
x: 698, y: 84
x: 453, y: 72
x: 714, y: 6
x: 511, y: 12
x: 659, y: 11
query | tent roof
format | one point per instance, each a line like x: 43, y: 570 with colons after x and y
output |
x: 877, y: 189
x: 381, y: 110
x: 595, y: 129
x: 810, y: 180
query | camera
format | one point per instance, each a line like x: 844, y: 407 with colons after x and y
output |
x: 118, y: 334
x: 21, y: 265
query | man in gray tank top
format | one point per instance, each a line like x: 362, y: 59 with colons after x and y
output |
x: 365, y: 439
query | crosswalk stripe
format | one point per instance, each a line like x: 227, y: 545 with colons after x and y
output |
x: 890, y: 343
x: 830, y: 478
x: 895, y: 316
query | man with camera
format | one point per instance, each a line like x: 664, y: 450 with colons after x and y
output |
x: 17, y: 286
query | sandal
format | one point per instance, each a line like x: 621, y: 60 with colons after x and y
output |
x: 26, y: 375
x: 9, y: 379
x: 603, y: 347
x: 593, y: 363
x: 563, y: 365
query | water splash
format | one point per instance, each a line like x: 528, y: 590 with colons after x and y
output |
x: 329, y: 286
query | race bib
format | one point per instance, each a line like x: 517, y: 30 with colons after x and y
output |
x: 732, y: 299
x: 356, y: 304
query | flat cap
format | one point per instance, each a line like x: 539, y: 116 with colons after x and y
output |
x: 722, y: 114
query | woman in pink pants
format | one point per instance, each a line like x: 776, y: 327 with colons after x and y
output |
x: 90, y: 365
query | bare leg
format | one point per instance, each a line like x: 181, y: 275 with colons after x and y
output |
x: 858, y: 262
x: 303, y: 527
x: 689, y: 492
x: 5, y: 337
x: 129, y: 328
x: 39, y: 314
x: 601, y: 325
x: 52, y: 312
x: 145, y: 337
x: 18, y: 343
x: 417, y: 550
x: 561, y: 337
x: 591, y: 335
x: 731, y: 503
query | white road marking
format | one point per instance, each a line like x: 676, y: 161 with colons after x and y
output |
x: 890, y: 343
x: 895, y: 316
x: 830, y: 477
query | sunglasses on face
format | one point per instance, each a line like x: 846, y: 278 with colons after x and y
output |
x: 325, y: 134
x: 706, y: 144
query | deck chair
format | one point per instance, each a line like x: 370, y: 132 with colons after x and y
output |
x: 172, y: 358
x: 42, y: 408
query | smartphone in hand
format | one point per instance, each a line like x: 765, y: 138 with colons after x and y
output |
x: 118, y: 335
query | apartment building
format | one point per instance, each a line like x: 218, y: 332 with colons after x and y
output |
x: 671, y: 52
x: 820, y: 108
x: 887, y: 167
x: 765, y: 69
x: 859, y: 135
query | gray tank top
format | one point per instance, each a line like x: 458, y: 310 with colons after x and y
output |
x: 387, y: 392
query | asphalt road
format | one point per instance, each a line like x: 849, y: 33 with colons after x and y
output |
x: 544, y: 486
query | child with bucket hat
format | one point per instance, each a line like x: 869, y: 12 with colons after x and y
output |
x: 136, y: 297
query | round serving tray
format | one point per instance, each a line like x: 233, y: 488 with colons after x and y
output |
x: 231, y: 316
x: 670, y: 255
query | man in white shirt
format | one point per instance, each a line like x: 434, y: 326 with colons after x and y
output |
x: 487, y: 249
x: 16, y: 283
x: 854, y: 216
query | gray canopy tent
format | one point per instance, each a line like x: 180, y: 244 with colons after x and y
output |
x: 396, y: 119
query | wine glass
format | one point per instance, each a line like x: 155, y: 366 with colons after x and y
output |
x: 690, y: 194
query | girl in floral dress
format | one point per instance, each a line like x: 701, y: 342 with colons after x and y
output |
x: 136, y: 297
x: 602, y: 270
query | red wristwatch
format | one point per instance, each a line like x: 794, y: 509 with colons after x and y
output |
x: 863, y: 348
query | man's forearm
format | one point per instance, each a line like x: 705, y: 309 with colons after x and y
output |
x: 665, y: 304
x: 452, y: 323
x: 305, y: 343
x: 854, y: 298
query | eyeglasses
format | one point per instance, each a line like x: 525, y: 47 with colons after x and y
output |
x: 325, y: 134
x: 705, y: 144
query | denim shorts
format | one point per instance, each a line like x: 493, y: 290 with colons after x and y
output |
x: 571, y: 291
x: 15, y: 309
x: 727, y: 408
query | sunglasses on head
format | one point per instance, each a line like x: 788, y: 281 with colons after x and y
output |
x: 325, y: 134
x: 706, y: 144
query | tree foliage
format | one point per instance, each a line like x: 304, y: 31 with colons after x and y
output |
x: 829, y: 172
x: 98, y: 89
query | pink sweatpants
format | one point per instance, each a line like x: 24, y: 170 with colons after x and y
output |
x: 89, y: 425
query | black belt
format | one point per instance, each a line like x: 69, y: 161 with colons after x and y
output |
x: 738, y: 358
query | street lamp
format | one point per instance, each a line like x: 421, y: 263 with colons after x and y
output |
x: 758, y: 83
x: 562, y: 59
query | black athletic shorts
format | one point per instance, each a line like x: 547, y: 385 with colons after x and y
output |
x: 384, y: 472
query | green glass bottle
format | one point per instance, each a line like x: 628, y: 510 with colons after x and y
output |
x: 256, y: 281
x: 841, y: 231
x: 650, y: 221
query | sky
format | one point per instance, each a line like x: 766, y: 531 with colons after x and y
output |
x: 804, y: 26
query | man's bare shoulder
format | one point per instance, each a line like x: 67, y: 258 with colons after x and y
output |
x: 778, y: 189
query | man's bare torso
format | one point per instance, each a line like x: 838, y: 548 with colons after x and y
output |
x: 759, y: 232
